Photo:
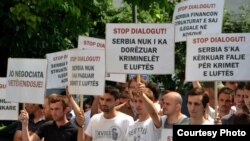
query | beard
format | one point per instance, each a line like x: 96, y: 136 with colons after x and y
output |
x: 57, y: 117
x: 106, y: 109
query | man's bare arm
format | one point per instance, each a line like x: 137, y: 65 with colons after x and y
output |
x: 24, y: 118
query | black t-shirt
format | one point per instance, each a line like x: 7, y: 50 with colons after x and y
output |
x: 228, y: 119
x: 51, y: 132
x: 32, y: 126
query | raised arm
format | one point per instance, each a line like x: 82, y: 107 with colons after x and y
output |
x: 149, y: 104
x: 80, y: 126
x: 74, y: 105
x: 24, y: 118
x: 80, y: 120
x: 196, y: 84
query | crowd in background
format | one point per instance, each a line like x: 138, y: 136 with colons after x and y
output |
x: 132, y: 111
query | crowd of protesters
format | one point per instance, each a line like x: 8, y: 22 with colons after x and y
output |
x: 133, y: 111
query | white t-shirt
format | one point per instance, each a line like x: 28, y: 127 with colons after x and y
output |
x: 143, y: 131
x: 102, y: 129
x: 205, y: 122
x: 87, y: 118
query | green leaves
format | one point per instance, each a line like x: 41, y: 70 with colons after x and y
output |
x: 237, y: 22
x: 45, y: 26
x: 22, y: 12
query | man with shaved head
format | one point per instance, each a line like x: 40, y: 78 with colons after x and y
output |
x: 172, y: 102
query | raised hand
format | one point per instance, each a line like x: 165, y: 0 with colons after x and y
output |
x: 24, y: 117
x: 80, y: 119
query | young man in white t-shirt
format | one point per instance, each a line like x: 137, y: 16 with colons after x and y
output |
x: 198, y: 102
x: 110, y: 124
x: 147, y: 126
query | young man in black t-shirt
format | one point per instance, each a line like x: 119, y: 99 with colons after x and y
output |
x: 59, y: 129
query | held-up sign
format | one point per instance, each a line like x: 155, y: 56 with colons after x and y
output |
x: 197, y: 17
x: 90, y: 43
x: 218, y: 57
x: 117, y: 3
x: 8, y: 110
x: 57, y: 69
x: 140, y: 48
x: 86, y: 72
x: 116, y: 77
x: 95, y: 43
x: 26, y: 80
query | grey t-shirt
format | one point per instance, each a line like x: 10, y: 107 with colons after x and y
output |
x: 182, y: 121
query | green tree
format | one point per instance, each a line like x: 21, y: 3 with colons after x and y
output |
x: 46, y: 26
x: 237, y: 22
x: 32, y: 28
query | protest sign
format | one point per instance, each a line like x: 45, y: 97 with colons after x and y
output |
x: 86, y: 72
x: 117, y: 3
x: 116, y: 77
x: 197, y: 17
x: 140, y: 48
x: 26, y: 80
x: 90, y: 43
x: 57, y: 69
x: 222, y: 57
x: 95, y: 43
x: 8, y: 110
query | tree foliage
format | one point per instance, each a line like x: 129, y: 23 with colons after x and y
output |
x: 39, y: 27
x: 237, y: 22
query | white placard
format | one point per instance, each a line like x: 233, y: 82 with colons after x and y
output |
x: 140, y: 48
x: 90, y: 43
x: 57, y: 69
x: 95, y: 43
x: 117, y: 3
x: 116, y: 77
x: 8, y: 110
x: 26, y: 80
x: 220, y: 57
x: 166, y: 134
x: 86, y: 72
x: 197, y: 17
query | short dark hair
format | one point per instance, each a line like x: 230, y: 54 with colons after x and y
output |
x: 202, y: 92
x: 244, y: 108
x: 112, y: 91
x: 247, y: 85
x: 225, y: 90
x: 124, y: 94
x: 155, y: 89
x: 121, y: 86
x: 40, y: 106
x: 59, y: 98
x: 241, y: 86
